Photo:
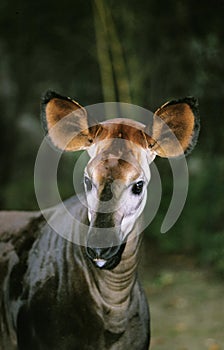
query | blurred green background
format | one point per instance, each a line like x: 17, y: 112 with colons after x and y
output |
x: 140, y: 52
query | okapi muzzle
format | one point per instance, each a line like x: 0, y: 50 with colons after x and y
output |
x: 104, y: 247
x: 107, y: 237
x: 83, y: 293
x: 105, y: 243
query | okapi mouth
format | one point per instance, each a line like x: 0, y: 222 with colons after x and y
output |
x: 105, y: 247
x: 105, y: 258
x: 104, y: 242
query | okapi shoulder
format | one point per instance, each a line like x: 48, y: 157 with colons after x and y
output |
x: 12, y: 222
x: 16, y: 230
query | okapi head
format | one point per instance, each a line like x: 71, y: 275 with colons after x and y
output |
x: 117, y: 174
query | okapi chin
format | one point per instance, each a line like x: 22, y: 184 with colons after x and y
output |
x: 60, y: 295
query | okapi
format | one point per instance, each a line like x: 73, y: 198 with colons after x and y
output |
x: 57, y: 294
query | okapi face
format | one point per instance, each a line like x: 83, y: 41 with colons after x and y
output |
x: 116, y: 180
x: 118, y: 173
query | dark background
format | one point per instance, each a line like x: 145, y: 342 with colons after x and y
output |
x: 140, y: 52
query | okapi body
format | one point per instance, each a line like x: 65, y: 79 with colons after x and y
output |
x: 57, y: 294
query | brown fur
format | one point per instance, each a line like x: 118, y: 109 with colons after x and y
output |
x: 122, y: 166
x: 124, y: 129
x: 180, y: 119
x: 67, y: 124
x: 171, y: 133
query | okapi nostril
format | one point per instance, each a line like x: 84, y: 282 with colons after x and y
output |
x: 107, y: 193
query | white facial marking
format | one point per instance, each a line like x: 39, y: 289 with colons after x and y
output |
x: 129, y: 221
x: 135, y: 204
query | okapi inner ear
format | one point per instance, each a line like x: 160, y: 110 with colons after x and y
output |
x: 67, y: 123
x: 175, y: 128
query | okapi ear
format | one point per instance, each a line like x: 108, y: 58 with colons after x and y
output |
x: 66, y: 122
x: 175, y: 128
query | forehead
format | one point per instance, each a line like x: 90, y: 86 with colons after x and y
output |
x: 114, y: 169
x: 120, y: 152
x: 117, y: 159
x: 126, y: 129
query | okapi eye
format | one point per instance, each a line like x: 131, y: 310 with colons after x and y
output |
x: 88, y: 183
x: 138, y: 187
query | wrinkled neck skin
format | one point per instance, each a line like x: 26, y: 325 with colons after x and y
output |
x: 115, y: 286
x: 112, y: 290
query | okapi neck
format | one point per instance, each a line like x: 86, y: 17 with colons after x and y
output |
x: 113, y: 290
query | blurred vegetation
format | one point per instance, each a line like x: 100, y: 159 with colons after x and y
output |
x: 141, y: 52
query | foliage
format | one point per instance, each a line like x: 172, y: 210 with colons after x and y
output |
x: 200, y: 230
